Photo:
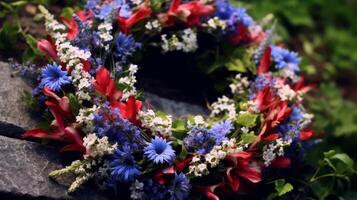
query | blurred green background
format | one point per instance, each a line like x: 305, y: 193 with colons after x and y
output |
x: 322, y: 31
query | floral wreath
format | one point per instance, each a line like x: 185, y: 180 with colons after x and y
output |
x: 89, y: 89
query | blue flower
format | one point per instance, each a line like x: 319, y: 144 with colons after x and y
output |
x: 180, y: 188
x: 54, y: 78
x: 160, y: 151
x: 284, y: 58
x: 199, y: 140
x: 125, y: 46
x: 117, y: 129
x: 104, y: 12
x: 123, y: 166
x: 233, y: 16
x: 220, y: 130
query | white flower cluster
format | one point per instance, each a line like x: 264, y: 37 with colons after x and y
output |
x: 287, y: 72
x: 274, y: 150
x: 136, y: 189
x: 186, y: 43
x: 69, y: 54
x: 224, y: 105
x: 306, y: 119
x: 157, y: 124
x: 105, y: 34
x: 129, y: 81
x: 136, y: 2
x: 153, y: 25
x: 83, y: 82
x: 239, y: 84
x: 216, y: 23
x: 85, y: 118
x: 286, y: 93
x: 198, y: 165
x: 97, y: 147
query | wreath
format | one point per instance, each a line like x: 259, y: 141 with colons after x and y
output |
x: 87, y: 92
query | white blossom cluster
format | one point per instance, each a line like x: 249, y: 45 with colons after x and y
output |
x: 85, y: 118
x: 197, y: 120
x: 274, y: 150
x: 224, y: 105
x: 83, y: 82
x: 69, y: 54
x: 285, y: 92
x: 97, y: 147
x: 153, y: 25
x: 216, y: 23
x: 199, y: 164
x: 136, y: 189
x: 129, y: 81
x: 187, y: 42
x: 157, y: 124
x: 239, y: 84
x: 287, y: 72
x: 136, y: 2
x: 105, y: 33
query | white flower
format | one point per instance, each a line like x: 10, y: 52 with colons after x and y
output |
x: 186, y: 41
x: 97, y: 147
x: 136, y: 189
x: 239, y: 85
x: 273, y: 150
x: 216, y: 23
x: 224, y: 105
x: 286, y: 93
x: 157, y: 124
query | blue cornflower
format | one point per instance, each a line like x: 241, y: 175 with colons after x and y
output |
x: 199, y: 140
x: 91, y: 4
x: 220, y: 130
x: 54, y: 78
x: 285, y: 58
x: 233, y: 16
x: 104, y: 12
x: 123, y: 166
x: 117, y: 129
x: 125, y: 46
x: 240, y: 16
x: 223, y: 9
x: 160, y: 151
x: 180, y: 188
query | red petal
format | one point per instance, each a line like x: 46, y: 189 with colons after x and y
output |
x: 265, y: 62
x: 43, y: 134
x: 102, y: 80
x: 86, y: 65
x: 174, y: 5
x: 281, y: 162
x: 47, y: 48
x: 250, y: 173
x: 142, y: 13
x: 271, y: 137
x: 233, y: 179
x: 306, y: 134
x: 55, y: 110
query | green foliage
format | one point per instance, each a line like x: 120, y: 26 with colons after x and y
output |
x: 247, y: 120
x: 281, y: 188
x: 332, y: 176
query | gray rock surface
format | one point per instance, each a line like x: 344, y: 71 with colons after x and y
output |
x: 24, y: 169
x: 12, y: 108
x: 174, y: 108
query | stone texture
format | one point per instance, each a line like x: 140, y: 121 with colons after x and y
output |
x: 175, y: 108
x: 24, y: 170
x: 12, y: 108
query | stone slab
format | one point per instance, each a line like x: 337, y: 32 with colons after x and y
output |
x: 24, y: 169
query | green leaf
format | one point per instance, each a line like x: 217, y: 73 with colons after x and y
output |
x: 74, y: 104
x: 248, y: 138
x: 156, y: 5
x: 67, y: 12
x: 282, y: 188
x: 179, y: 128
x: 236, y: 65
x: 247, y: 120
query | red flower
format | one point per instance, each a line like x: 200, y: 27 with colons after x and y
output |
x: 72, y: 24
x: 125, y: 24
x: 106, y: 86
x: 306, y: 134
x: 241, y: 168
x: 281, y: 162
x: 208, y: 191
x: 62, y: 128
x: 48, y: 48
x: 301, y: 87
x: 265, y: 62
x: 130, y: 110
x: 242, y: 35
x: 190, y: 13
